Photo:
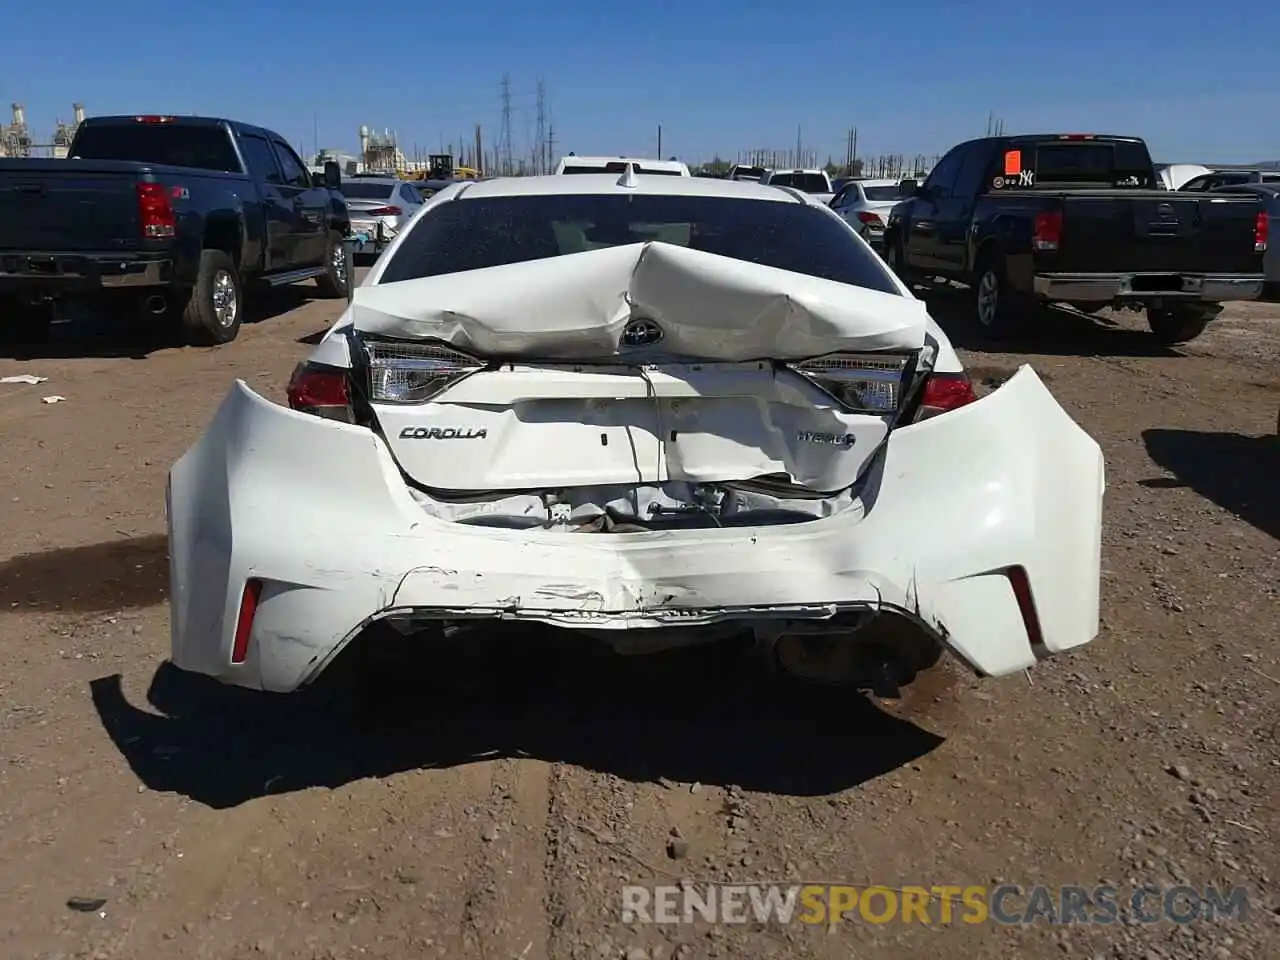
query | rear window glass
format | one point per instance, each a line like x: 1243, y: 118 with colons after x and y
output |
x: 747, y: 173
x: 355, y: 190
x: 1113, y: 163
x: 805, y: 182
x: 891, y: 192
x: 619, y: 166
x: 470, y: 234
x: 178, y: 145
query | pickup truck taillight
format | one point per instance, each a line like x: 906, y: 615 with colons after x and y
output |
x: 155, y: 212
x: 1048, y: 230
x: 321, y: 391
x: 1261, y: 227
x: 943, y: 392
x: 385, y: 212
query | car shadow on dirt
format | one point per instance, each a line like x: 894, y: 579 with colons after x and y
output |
x: 135, y: 336
x: 1051, y: 331
x: 1236, y: 472
x: 697, y: 715
x: 130, y: 572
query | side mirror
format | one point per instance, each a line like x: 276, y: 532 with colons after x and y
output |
x: 332, y: 175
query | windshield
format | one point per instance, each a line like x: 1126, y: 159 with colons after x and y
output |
x: 806, y: 182
x: 891, y: 192
x: 355, y: 190
x: 204, y: 147
x: 471, y: 234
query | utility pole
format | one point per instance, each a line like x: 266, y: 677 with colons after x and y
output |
x: 479, y: 158
x: 504, y: 136
x: 799, y: 162
x: 551, y: 146
x: 659, y: 141
x: 540, y: 141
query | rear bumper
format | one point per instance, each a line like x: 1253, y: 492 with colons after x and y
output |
x: 1142, y: 287
x: 52, y: 272
x: 952, y: 503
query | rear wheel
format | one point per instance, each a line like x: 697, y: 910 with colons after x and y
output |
x: 997, y: 310
x: 1180, y: 323
x: 895, y: 258
x: 337, y: 282
x: 213, y: 310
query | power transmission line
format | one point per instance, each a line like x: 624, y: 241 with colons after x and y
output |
x: 504, y: 136
x: 541, y: 161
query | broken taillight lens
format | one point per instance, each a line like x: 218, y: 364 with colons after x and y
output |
x: 943, y: 392
x: 403, y: 372
x: 321, y: 391
x: 861, y: 383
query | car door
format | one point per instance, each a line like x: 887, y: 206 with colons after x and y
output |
x: 955, y: 213
x: 922, y: 241
x: 310, y: 207
x: 277, y: 209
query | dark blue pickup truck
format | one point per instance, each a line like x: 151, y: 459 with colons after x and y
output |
x: 173, y: 217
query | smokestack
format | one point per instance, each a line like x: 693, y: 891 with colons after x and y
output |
x: 78, y: 110
x: 19, y: 116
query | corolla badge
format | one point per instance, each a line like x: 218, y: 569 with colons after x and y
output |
x: 641, y: 333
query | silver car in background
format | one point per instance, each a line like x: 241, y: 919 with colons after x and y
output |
x: 380, y: 208
x: 865, y: 206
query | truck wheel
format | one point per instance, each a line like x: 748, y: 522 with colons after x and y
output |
x: 212, y: 313
x: 337, y: 282
x: 895, y: 259
x: 996, y: 308
x: 24, y: 322
x: 1179, y: 324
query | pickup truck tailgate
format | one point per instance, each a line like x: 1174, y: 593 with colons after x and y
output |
x: 67, y: 205
x: 1158, y: 231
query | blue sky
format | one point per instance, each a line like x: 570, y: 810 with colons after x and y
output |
x: 719, y: 77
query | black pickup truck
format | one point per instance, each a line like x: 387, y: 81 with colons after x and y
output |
x: 1076, y: 219
x: 166, y: 216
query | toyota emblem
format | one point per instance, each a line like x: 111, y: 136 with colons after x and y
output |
x: 641, y: 333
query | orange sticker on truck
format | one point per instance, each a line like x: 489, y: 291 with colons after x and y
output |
x: 1012, y: 163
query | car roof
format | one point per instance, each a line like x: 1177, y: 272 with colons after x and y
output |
x: 609, y: 183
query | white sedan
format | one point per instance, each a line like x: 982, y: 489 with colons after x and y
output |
x: 651, y: 410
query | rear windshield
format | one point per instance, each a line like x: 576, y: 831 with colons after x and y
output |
x: 178, y: 145
x: 470, y: 234
x: 1117, y: 164
x: 747, y: 173
x: 619, y: 166
x: 891, y: 192
x: 355, y: 190
x: 805, y: 182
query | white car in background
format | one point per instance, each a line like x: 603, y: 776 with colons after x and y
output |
x: 616, y: 165
x: 380, y: 208
x: 649, y: 410
x: 865, y: 206
x: 815, y: 183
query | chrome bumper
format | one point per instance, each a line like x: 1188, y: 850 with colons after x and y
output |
x: 1106, y: 287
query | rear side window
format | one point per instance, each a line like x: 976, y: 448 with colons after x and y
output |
x: 199, y: 146
x: 470, y: 234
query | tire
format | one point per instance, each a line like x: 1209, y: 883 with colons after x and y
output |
x: 23, y: 323
x: 895, y: 259
x: 997, y: 310
x: 1179, y: 324
x: 337, y: 283
x: 215, y: 305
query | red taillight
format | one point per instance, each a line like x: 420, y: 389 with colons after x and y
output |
x: 1048, y: 230
x: 1026, y: 605
x: 866, y: 216
x: 244, y: 622
x: 385, y: 212
x: 155, y: 212
x: 1261, y: 231
x: 322, y: 391
x: 943, y: 392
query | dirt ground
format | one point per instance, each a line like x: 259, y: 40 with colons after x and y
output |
x: 515, y: 794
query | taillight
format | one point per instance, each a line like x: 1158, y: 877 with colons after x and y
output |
x: 155, y: 212
x: 866, y: 216
x: 861, y: 383
x: 401, y: 372
x: 1048, y: 230
x: 1261, y: 231
x: 321, y: 391
x: 1026, y: 604
x: 385, y: 212
x: 944, y: 392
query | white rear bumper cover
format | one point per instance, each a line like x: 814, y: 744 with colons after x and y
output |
x: 318, y: 511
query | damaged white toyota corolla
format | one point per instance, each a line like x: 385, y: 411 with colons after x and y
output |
x: 653, y: 410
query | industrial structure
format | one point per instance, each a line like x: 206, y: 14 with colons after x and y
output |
x: 16, y: 139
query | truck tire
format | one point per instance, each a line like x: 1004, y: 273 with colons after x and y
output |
x: 215, y: 306
x: 1179, y: 324
x: 997, y: 310
x: 895, y: 259
x: 24, y: 322
x: 337, y: 282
